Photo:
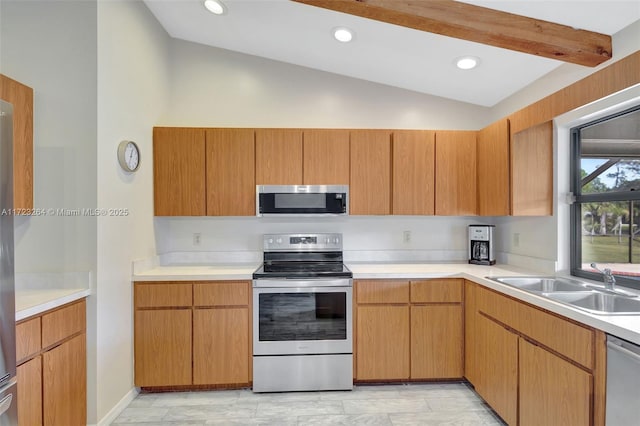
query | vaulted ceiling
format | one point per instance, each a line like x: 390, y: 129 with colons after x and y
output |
x: 386, y: 50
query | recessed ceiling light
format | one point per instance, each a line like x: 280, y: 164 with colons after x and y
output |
x: 215, y: 7
x: 467, y: 62
x: 345, y: 35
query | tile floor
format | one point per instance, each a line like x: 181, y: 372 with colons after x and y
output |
x: 410, y: 404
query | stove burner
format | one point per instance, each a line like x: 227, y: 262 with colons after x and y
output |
x: 302, y: 256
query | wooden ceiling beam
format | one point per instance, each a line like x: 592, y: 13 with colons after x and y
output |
x: 482, y: 25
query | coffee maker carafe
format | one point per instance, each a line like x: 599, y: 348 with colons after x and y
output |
x: 481, y: 251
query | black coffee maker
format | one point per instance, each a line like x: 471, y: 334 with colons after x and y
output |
x: 481, y: 251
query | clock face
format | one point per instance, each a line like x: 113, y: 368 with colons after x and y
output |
x: 129, y: 156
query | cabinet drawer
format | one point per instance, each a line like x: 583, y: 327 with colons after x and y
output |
x: 563, y: 336
x: 63, y: 323
x: 221, y: 293
x: 28, y: 340
x: 436, y: 291
x: 162, y: 295
x: 382, y: 291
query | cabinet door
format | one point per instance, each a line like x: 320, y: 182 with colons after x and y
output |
x: 497, y: 364
x: 382, y: 342
x: 413, y: 172
x: 231, y: 181
x: 436, y: 342
x: 278, y: 157
x: 552, y: 390
x: 162, y: 347
x: 326, y: 157
x: 179, y: 172
x: 532, y: 171
x: 220, y: 346
x: 21, y: 97
x: 30, y: 392
x: 456, y: 173
x: 370, y: 190
x: 64, y: 376
x: 493, y: 169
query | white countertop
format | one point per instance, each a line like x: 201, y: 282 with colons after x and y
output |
x: 239, y: 271
x: 34, y: 302
x: 624, y: 326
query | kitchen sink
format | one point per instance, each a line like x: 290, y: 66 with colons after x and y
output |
x: 599, y: 303
x: 542, y: 284
x: 589, y: 297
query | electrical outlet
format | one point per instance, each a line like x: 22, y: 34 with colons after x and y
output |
x: 197, y: 238
x: 406, y: 236
x: 516, y: 239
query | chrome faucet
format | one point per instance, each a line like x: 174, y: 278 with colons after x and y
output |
x: 609, y: 279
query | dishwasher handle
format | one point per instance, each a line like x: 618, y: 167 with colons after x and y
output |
x: 624, y: 347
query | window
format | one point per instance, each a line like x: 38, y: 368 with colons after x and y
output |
x: 605, y: 219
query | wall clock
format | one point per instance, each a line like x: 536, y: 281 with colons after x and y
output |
x: 129, y: 156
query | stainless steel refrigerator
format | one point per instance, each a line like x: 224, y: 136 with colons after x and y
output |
x: 8, y: 386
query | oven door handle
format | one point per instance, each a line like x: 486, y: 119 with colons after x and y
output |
x: 283, y: 283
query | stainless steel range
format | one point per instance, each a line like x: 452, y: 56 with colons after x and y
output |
x: 302, y: 315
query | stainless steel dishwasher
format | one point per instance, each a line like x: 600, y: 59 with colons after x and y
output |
x: 623, y: 377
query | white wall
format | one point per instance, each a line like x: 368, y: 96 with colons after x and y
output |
x: 434, y: 238
x: 216, y: 87
x: 50, y: 46
x: 133, y: 67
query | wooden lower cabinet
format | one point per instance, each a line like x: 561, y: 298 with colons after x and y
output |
x: 220, y: 346
x: 30, y: 392
x: 52, y: 378
x: 436, y: 342
x: 524, y: 371
x: 497, y: 368
x: 163, y: 347
x: 552, y: 390
x: 408, y: 330
x: 192, y: 334
x: 382, y: 342
x: 64, y: 373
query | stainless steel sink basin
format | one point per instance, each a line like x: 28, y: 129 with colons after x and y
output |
x: 589, y: 297
x: 542, y: 284
x: 599, y: 303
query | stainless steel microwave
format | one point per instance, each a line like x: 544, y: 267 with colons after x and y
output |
x: 302, y: 200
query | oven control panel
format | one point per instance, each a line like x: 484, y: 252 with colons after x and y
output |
x: 302, y: 242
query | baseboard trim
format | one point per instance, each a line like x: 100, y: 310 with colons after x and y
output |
x: 118, y: 408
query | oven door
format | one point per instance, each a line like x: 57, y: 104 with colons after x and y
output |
x: 301, y: 317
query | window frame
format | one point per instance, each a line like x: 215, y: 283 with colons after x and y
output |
x: 579, y: 199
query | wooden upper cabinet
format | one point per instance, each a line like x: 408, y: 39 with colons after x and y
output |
x: 456, y: 173
x: 413, y: 172
x: 326, y: 157
x: 532, y: 171
x: 370, y: 190
x: 278, y: 157
x: 493, y: 169
x: 179, y: 171
x: 231, y: 181
x: 21, y: 97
